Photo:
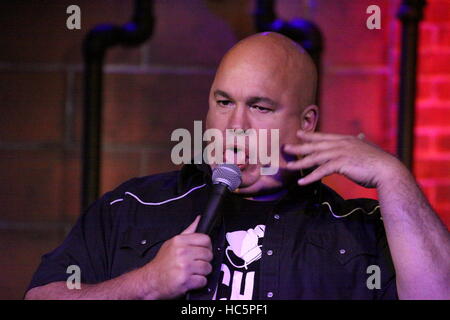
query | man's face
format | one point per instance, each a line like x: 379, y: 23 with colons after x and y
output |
x: 248, y: 93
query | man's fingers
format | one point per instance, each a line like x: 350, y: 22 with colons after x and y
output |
x: 192, y: 226
x: 321, y: 172
x: 198, y: 253
x: 196, y: 281
x: 314, y: 159
x: 308, y: 147
x: 319, y: 136
x: 193, y: 240
x: 201, y: 268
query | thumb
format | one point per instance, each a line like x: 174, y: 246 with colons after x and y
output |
x: 192, y: 227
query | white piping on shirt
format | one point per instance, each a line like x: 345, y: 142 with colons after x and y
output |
x: 117, y: 200
x: 349, y: 213
x: 162, y: 202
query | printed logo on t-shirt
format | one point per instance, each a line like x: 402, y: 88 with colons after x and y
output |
x: 239, y: 268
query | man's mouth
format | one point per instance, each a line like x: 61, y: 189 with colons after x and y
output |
x: 237, y: 156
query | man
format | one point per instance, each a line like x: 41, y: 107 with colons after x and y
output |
x: 282, y: 236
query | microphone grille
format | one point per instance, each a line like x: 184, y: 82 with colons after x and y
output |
x: 228, y: 174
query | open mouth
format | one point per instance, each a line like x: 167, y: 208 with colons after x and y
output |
x: 237, y: 156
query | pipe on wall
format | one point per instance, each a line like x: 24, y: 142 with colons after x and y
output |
x: 410, y: 14
x: 95, y: 45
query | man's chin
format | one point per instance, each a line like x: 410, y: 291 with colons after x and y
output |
x: 253, y: 185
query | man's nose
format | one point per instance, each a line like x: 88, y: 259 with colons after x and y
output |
x: 239, y: 119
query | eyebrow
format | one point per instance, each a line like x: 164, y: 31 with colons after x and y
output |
x: 250, y: 100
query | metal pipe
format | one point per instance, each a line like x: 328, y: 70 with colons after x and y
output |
x: 95, y: 45
x: 410, y: 14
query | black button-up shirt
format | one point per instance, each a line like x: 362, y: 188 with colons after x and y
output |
x: 316, y: 245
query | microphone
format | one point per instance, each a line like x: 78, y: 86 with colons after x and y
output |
x: 225, y: 178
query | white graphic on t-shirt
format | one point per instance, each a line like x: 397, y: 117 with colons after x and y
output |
x: 244, y: 245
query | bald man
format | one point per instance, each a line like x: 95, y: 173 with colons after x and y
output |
x: 283, y: 235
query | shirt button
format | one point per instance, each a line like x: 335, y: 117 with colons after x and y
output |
x: 269, y: 252
x: 144, y: 241
x: 342, y: 251
x: 277, y: 217
x: 269, y: 294
x: 209, y: 289
x: 218, y: 249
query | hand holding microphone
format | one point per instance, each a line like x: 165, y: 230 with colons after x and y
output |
x: 183, y: 262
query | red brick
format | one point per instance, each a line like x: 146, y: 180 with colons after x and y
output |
x: 144, y: 109
x: 443, y: 143
x: 186, y: 32
x: 348, y: 189
x: 443, y: 36
x: 348, y: 41
x: 37, y: 31
x: 427, y: 36
x: 354, y: 103
x: 71, y: 197
x: 159, y: 161
x: 423, y: 143
x: 22, y: 251
x: 444, y: 214
x: 32, y: 106
x: 425, y: 90
x: 429, y: 169
x: 443, y: 90
x: 443, y: 194
x: 31, y: 185
x: 238, y: 15
x: 437, y: 11
x: 117, y: 167
x: 439, y: 117
x: 76, y: 124
x: 434, y: 63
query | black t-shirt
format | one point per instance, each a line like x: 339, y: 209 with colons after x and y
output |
x: 244, y: 227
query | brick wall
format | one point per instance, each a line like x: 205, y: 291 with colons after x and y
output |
x: 41, y: 101
x: 432, y: 155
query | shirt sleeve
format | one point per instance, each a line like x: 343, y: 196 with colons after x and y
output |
x: 372, y: 217
x: 388, y: 289
x: 86, y: 246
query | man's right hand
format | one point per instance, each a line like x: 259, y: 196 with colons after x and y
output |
x: 181, y: 264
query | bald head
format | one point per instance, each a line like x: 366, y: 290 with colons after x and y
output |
x: 274, y: 57
x: 267, y: 83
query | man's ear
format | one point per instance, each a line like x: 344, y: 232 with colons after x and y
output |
x: 310, y: 118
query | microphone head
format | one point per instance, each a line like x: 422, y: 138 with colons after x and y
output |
x: 228, y: 174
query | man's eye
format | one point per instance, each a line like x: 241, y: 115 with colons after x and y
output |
x: 224, y: 103
x: 261, y: 109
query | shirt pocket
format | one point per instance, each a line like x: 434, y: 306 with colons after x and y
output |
x: 144, y: 241
x: 344, y: 248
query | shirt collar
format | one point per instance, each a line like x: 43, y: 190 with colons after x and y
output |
x: 193, y: 175
x: 197, y: 174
